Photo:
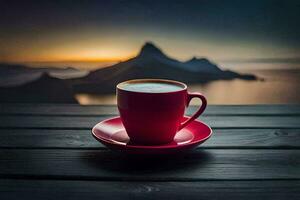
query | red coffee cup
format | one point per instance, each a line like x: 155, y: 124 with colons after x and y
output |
x: 152, y: 118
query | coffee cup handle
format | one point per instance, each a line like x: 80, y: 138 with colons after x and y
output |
x: 199, y: 111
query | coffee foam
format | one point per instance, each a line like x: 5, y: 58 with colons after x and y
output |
x: 151, y: 87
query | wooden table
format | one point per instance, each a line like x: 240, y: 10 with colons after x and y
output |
x: 47, y: 152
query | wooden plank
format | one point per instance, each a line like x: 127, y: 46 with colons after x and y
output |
x: 53, y: 189
x: 222, y: 138
x: 95, y: 110
x: 212, y: 164
x: 55, y: 122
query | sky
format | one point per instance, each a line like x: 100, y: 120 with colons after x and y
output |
x: 108, y: 31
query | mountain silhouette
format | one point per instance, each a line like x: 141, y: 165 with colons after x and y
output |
x: 152, y: 62
x: 44, y: 89
x: 16, y: 74
x: 19, y: 83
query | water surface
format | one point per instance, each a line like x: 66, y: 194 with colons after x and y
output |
x: 278, y: 87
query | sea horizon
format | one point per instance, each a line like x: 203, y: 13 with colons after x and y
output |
x: 276, y: 85
x: 225, y: 65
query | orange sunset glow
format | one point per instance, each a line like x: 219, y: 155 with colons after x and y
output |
x: 94, y: 50
x: 97, y: 45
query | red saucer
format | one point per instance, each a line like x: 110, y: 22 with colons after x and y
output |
x: 112, y: 134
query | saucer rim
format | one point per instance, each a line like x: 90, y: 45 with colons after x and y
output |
x: 164, y: 146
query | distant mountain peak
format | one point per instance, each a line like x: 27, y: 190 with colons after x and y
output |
x: 195, y: 59
x: 152, y: 62
x: 202, y: 64
x: 149, y: 48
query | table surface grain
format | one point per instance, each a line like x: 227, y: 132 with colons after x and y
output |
x: 47, y: 152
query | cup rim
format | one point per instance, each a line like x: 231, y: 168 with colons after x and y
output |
x: 183, y: 85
